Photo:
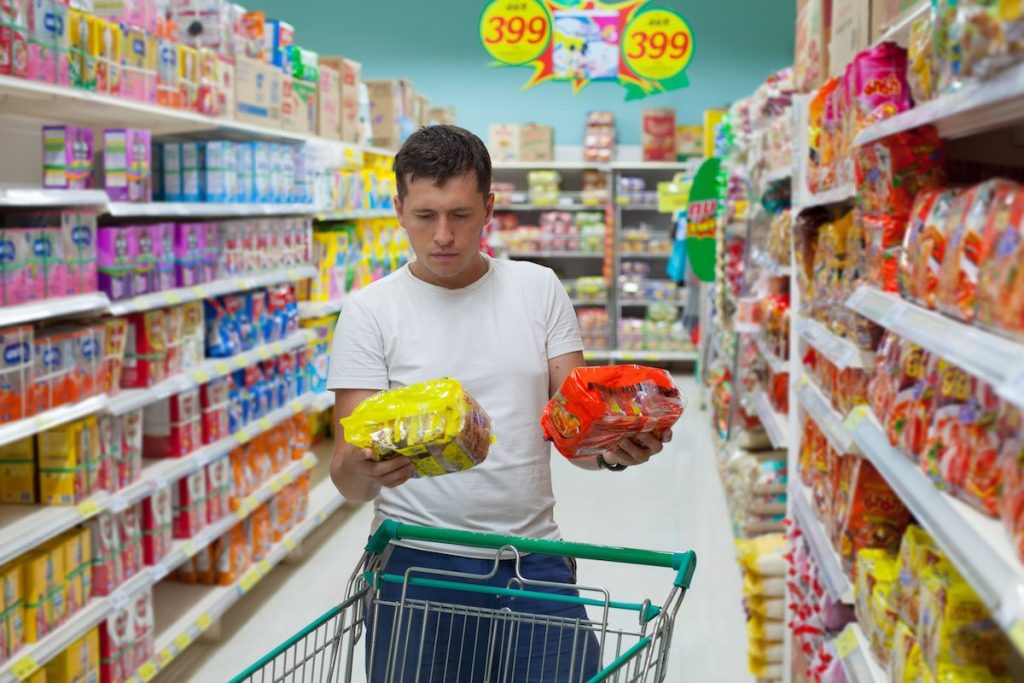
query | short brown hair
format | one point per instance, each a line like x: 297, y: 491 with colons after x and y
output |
x: 442, y: 153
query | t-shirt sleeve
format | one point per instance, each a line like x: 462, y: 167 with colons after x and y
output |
x: 563, y: 327
x: 357, y: 354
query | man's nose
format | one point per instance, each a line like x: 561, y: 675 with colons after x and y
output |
x: 443, y: 235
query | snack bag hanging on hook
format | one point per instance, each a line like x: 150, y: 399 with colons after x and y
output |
x: 595, y: 407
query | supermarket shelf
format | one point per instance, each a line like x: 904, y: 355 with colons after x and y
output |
x: 978, y: 106
x: 631, y: 356
x: 831, y: 423
x: 777, y: 365
x: 19, y: 429
x: 649, y: 302
x: 211, y: 368
x: 841, y: 352
x: 321, y: 402
x: 214, y: 601
x: 556, y: 255
x: 854, y: 652
x: 996, y: 360
x: 355, y: 214
x: 655, y: 165
x: 53, y: 308
x: 379, y: 151
x: 37, y: 654
x: 204, y: 209
x: 976, y: 544
x: 550, y: 166
x: 590, y: 206
x: 838, y: 195
x: 319, y: 309
x: 770, y: 265
x: 17, y: 197
x: 638, y: 207
x: 25, y: 527
x: 230, y: 285
x: 899, y: 30
x: 837, y: 583
x: 774, y: 423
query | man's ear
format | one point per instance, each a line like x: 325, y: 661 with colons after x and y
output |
x: 489, y: 203
x: 398, y: 209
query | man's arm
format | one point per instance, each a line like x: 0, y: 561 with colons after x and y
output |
x: 356, y: 475
x: 631, y: 450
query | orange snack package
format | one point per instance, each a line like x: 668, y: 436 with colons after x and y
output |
x: 597, y: 406
x: 872, y: 514
x: 947, y: 449
x: 983, y: 480
x: 1000, y: 305
x: 924, y: 233
x: 1010, y: 504
x: 958, y: 276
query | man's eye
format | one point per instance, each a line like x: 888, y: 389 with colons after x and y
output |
x: 424, y: 216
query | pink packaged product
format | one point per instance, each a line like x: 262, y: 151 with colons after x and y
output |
x: 172, y: 427
x: 214, y: 402
x: 157, y: 521
x: 111, y: 446
x: 78, y: 244
x: 877, y: 85
x: 129, y: 524
x: 67, y: 157
x: 190, y: 504
x: 138, y: 65
x: 116, y: 252
x: 117, y: 646
x: 48, y: 252
x: 189, y: 252
x: 19, y: 283
x: 107, y: 571
x: 212, y: 264
x: 128, y: 164
x: 48, y: 42
x: 129, y: 469
x: 218, y: 487
x: 143, y: 629
x: 163, y: 247
x: 232, y: 241
x: 142, y: 14
x: 144, y: 268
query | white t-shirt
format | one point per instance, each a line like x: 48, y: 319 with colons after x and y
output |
x: 494, y: 336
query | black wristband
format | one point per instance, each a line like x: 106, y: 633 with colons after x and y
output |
x: 602, y: 464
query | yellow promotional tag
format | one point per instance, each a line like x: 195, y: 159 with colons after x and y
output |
x: 265, y: 567
x: 240, y: 363
x: 309, y: 460
x: 164, y: 657
x: 846, y: 643
x: 248, y: 580
x: 201, y: 292
x: 278, y: 348
x: 266, y: 424
x: 515, y: 31
x: 276, y: 485
x: 172, y: 297
x: 287, y: 478
x: 263, y: 353
x: 242, y: 436
x: 190, y: 548
x: 289, y: 544
x: 24, y: 667
x: 147, y: 671
x: 201, y: 376
x: 204, y: 621
x: 855, y: 418
x: 182, y: 641
x: 88, y: 508
x: 622, y: 201
x: 657, y: 44
x: 296, y: 407
x: 222, y: 368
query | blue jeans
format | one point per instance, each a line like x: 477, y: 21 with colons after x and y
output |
x: 463, y: 646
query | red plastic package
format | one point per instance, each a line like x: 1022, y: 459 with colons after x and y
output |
x: 892, y: 171
x: 983, y: 480
x: 947, y: 450
x: 999, y: 300
x: 883, y: 240
x: 597, y: 406
x: 1011, y: 470
x: 924, y: 244
x: 871, y: 515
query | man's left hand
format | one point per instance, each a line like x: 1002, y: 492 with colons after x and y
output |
x: 637, y: 449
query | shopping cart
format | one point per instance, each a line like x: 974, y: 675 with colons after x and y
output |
x: 427, y: 640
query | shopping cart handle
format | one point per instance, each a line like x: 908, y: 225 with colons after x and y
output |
x: 684, y: 563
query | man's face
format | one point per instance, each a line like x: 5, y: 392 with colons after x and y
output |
x: 444, y: 226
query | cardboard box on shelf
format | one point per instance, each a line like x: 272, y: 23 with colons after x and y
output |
x: 885, y: 12
x: 689, y: 140
x: 813, y: 30
x: 422, y: 110
x: 350, y: 73
x: 299, y: 106
x: 387, y: 111
x: 438, y: 116
x: 328, y: 121
x: 850, y: 32
x: 521, y: 142
x: 258, y: 92
x: 658, y: 134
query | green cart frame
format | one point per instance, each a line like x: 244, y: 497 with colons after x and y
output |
x: 326, y: 650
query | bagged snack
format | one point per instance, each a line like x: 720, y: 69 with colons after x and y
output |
x: 1000, y: 305
x: 958, y: 275
x: 946, y: 455
x: 877, y: 85
x: 982, y: 486
x: 871, y: 515
x: 909, y: 391
x: 891, y: 172
x: 917, y: 552
x: 597, y: 406
x: 1011, y: 469
x: 921, y: 60
x: 918, y: 261
x: 436, y: 424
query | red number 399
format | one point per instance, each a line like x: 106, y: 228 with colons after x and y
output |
x: 514, y: 29
x: 655, y: 45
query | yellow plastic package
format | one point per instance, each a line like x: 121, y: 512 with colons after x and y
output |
x: 876, y: 575
x: 436, y: 424
x: 917, y: 553
x: 902, y: 667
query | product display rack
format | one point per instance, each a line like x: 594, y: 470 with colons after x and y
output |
x: 32, y: 656
x: 582, y: 263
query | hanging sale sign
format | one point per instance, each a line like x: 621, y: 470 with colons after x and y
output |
x: 646, y: 50
x: 702, y: 217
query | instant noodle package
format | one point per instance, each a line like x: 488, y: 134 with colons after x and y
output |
x: 598, y: 406
x: 436, y: 424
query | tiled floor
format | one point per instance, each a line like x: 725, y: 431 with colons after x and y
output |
x: 675, y: 502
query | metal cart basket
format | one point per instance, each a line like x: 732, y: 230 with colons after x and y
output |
x: 426, y: 640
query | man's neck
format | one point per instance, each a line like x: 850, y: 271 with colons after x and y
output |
x: 473, y: 273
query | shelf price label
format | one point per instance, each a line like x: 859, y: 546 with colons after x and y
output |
x: 846, y: 643
x: 203, y: 621
x: 515, y: 32
x: 88, y: 508
x: 289, y: 544
x: 276, y: 485
x: 855, y: 418
x: 164, y: 657
x: 24, y: 667
x: 222, y: 368
x: 249, y: 579
x: 147, y: 671
x: 265, y: 424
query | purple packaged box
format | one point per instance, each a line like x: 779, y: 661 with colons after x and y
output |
x: 117, y: 249
x: 67, y: 157
x: 163, y: 243
x: 189, y: 252
x: 144, y: 268
x: 127, y: 164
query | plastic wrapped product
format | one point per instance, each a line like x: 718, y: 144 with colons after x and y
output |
x: 999, y: 300
x: 924, y: 233
x: 947, y: 448
x: 596, y: 407
x: 870, y: 514
x: 436, y: 424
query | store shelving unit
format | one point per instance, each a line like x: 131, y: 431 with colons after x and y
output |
x: 196, y: 608
x: 326, y: 216
x: 777, y: 365
x: 33, y: 655
x: 774, y: 423
x: 831, y: 423
x: 841, y: 352
x: 204, y: 210
x: 34, y: 197
x: 48, y: 309
x: 854, y: 652
x: 319, y: 309
x: 554, y: 255
x: 836, y: 582
x: 19, y: 429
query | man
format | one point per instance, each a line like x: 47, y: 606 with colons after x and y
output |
x: 508, y: 332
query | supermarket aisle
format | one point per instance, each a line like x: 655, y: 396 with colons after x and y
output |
x: 674, y: 503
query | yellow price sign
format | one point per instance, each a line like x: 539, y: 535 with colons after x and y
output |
x: 296, y: 407
x: 203, y: 621
x: 264, y: 567
x: 515, y: 31
x: 266, y: 424
x: 249, y: 579
x: 855, y: 418
x: 222, y: 368
x: 182, y: 641
x: 147, y: 671
x: 263, y: 353
x: 201, y: 292
x: 289, y: 544
x: 287, y: 478
x: 173, y: 297
x: 658, y: 44
x: 846, y: 643
x: 24, y: 667
x: 201, y: 376
x: 164, y: 657
x: 88, y: 508
x: 242, y: 436
x: 276, y: 485
x: 190, y: 548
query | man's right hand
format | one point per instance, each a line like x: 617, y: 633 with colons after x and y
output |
x: 390, y: 473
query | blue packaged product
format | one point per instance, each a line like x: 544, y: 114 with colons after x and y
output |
x: 261, y: 172
x: 244, y: 160
x: 192, y: 176
x: 215, y: 171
